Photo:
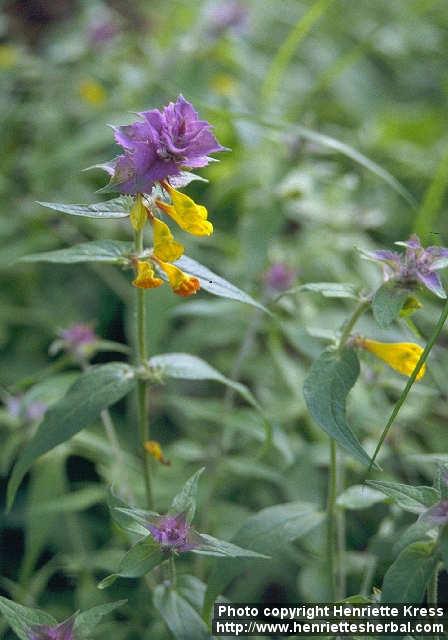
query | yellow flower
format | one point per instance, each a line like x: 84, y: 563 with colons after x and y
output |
x: 190, y: 217
x: 401, y: 356
x: 145, y: 278
x: 9, y: 56
x: 181, y: 283
x: 92, y: 92
x: 166, y: 248
x: 155, y: 450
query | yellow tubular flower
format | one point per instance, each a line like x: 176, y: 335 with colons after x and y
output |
x: 190, y: 217
x: 138, y: 214
x: 401, y: 356
x: 165, y: 246
x: 155, y: 450
x: 146, y: 278
x: 181, y: 283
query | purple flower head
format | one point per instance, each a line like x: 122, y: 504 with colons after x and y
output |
x: 18, y: 408
x: 62, y: 631
x: 101, y: 32
x: 415, y: 265
x: 159, y: 146
x: 174, y: 533
x: 279, y: 277
x: 230, y: 15
x: 438, y: 514
x: 77, y: 339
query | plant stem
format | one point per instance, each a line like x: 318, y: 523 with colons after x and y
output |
x: 142, y: 385
x: 331, y: 520
x: 173, y: 574
x: 340, y: 530
x: 432, y: 590
x: 351, y: 321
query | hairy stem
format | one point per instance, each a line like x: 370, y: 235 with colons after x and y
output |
x: 331, y: 521
x: 142, y: 385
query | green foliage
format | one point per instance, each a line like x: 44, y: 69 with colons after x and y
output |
x: 326, y: 389
x: 179, y: 616
x: 413, y: 499
x: 108, y: 251
x: 21, y: 618
x: 388, y: 302
x: 406, y: 579
x: 116, y: 208
x: 96, y: 389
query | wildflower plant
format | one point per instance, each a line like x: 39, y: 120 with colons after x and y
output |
x: 157, y: 152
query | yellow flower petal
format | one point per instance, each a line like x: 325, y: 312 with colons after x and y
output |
x: 166, y: 248
x: 181, y: 283
x: 401, y: 356
x: 155, y: 450
x: 92, y: 92
x: 190, y: 217
x: 139, y: 214
x: 145, y: 278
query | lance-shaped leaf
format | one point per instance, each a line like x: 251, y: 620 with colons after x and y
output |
x: 327, y: 289
x: 406, y: 579
x: 137, y: 562
x: 214, y: 284
x: 109, y: 251
x: 266, y: 532
x: 181, y: 619
x: 413, y: 499
x: 211, y: 546
x: 185, y: 501
x: 187, y: 367
x: 388, y: 302
x: 21, y: 618
x: 86, y: 621
x: 115, y: 208
x: 326, y: 389
x: 95, y: 390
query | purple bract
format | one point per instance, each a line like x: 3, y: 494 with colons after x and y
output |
x: 62, y: 631
x: 160, y: 145
x: 174, y: 533
x: 438, y: 514
x: 415, y: 265
x: 279, y: 277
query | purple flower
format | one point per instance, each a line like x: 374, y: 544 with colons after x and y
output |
x: 101, y: 32
x: 228, y: 15
x: 18, y: 408
x: 416, y: 265
x: 62, y: 631
x: 78, y: 339
x: 174, y: 533
x: 159, y: 146
x: 279, y: 277
x: 438, y: 514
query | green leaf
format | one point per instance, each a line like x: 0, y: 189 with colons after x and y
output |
x: 388, y: 302
x: 95, y: 390
x: 71, y: 502
x: 325, y: 390
x: 215, y: 547
x: 266, y: 532
x: 406, y: 579
x: 214, y: 284
x: 443, y: 542
x: 358, y: 496
x: 20, y: 618
x: 185, y: 501
x: 115, y: 208
x: 179, y: 616
x: 328, y: 289
x: 413, y: 499
x: 109, y: 251
x: 187, y: 367
x: 137, y: 562
x: 86, y: 621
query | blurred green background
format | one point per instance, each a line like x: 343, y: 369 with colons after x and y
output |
x: 272, y: 77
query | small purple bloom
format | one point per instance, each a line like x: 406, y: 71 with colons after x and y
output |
x: 29, y: 412
x: 101, y: 32
x: 174, y: 533
x: 62, y: 631
x: 279, y: 277
x: 78, y: 339
x: 161, y: 145
x: 438, y: 514
x: 35, y: 411
x: 416, y: 265
x: 230, y: 15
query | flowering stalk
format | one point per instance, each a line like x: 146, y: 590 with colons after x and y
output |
x: 142, y: 385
